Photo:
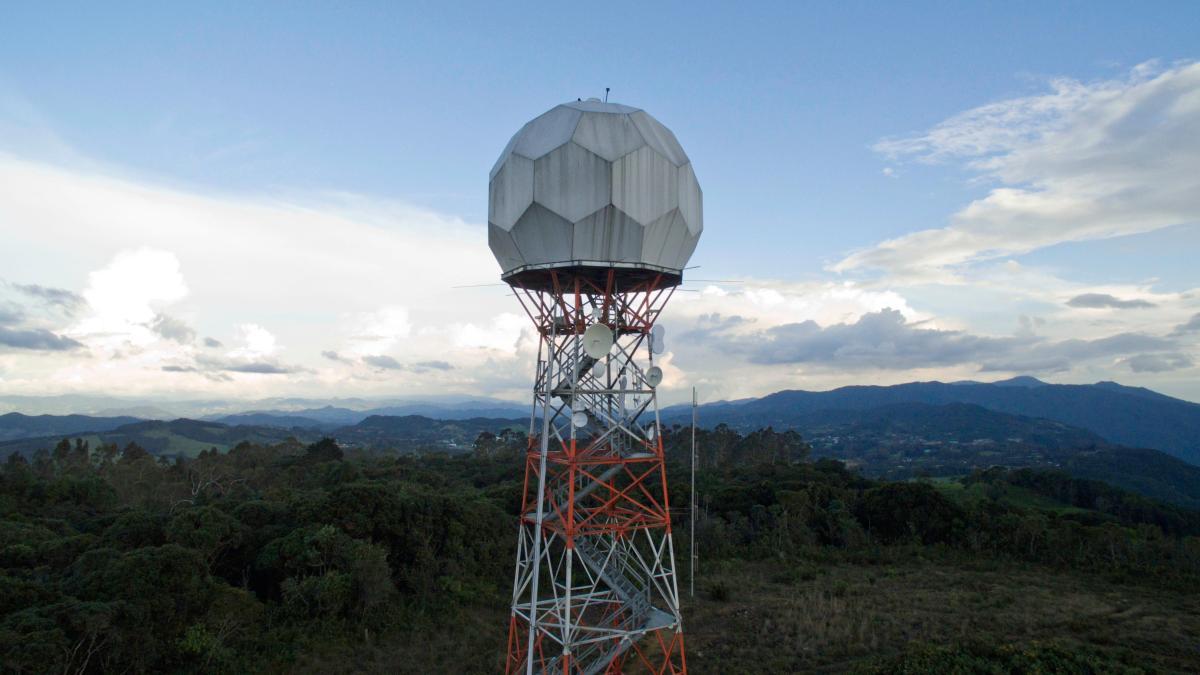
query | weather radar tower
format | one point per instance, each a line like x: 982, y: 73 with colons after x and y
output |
x: 593, y: 212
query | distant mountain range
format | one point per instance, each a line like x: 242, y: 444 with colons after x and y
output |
x: 905, y: 440
x: 16, y: 425
x: 1104, y: 431
x: 332, y: 417
x: 184, y: 437
x: 1129, y: 416
x: 335, y: 411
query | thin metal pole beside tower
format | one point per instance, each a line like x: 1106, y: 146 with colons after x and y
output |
x: 692, y: 548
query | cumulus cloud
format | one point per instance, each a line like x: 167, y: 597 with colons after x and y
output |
x: 312, y: 265
x: 1028, y: 326
x: 382, y: 361
x: 502, y: 333
x: 1158, y: 363
x: 1190, y: 326
x: 1082, y: 161
x: 67, y: 301
x: 255, y: 342
x: 10, y: 315
x: 333, y: 356
x: 252, y: 366
x: 385, y: 362
x: 125, y: 296
x: 885, y: 340
x: 173, y: 329
x: 378, y: 331
x: 36, y: 339
x: 881, y: 339
x: 1051, y: 356
x: 261, y: 368
x: 1104, y: 300
x: 714, y: 323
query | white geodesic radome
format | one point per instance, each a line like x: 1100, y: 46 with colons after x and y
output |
x: 590, y: 183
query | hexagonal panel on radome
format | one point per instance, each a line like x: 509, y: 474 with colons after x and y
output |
x: 608, y: 135
x: 504, y: 248
x: 512, y: 142
x: 608, y: 235
x: 543, y: 236
x: 684, y: 253
x: 510, y: 191
x: 691, y: 199
x: 662, y: 238
x: 645, y: 185
x: 572, y: 182
x: 547, y: 132
x: 659, y: 137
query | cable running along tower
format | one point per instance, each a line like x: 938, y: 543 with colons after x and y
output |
x: 593, y: 213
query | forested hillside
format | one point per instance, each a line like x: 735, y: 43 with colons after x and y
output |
x: 15, y: 425
x: 1129, y: 416
x: 309, y: 558
x: 187, y: 438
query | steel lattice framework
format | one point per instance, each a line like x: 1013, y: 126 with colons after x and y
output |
x: 594, y: 590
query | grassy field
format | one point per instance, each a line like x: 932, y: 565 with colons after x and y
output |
x: 767, y: 617
x: 834, y: 618
x: 1010, y: 495
x: 182, y: 445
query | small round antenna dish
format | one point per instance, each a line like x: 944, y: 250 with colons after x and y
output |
x: 651, y: 432
x: 579, y: 419
x: 599, y: 370
x: 654, y: 376
x: 597, y: 340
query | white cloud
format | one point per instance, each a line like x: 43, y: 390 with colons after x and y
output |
x: 125, y: 297
x: 752, y: 307
x: 503, y: 333
x: 278, y: 279
x: 378, y: 331
x: 255, y: 342
x: 778, y: 302
x: 1084, y: 161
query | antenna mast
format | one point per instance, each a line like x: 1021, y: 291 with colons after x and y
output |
x: 692, y: 548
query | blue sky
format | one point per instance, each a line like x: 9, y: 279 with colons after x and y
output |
x: 390, y: 115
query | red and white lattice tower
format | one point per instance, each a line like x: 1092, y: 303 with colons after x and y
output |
x: 593, y: 213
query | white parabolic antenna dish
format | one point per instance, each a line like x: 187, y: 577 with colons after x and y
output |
x: 597, y: 340
x: 654, y: 376
x: 579, y: 419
